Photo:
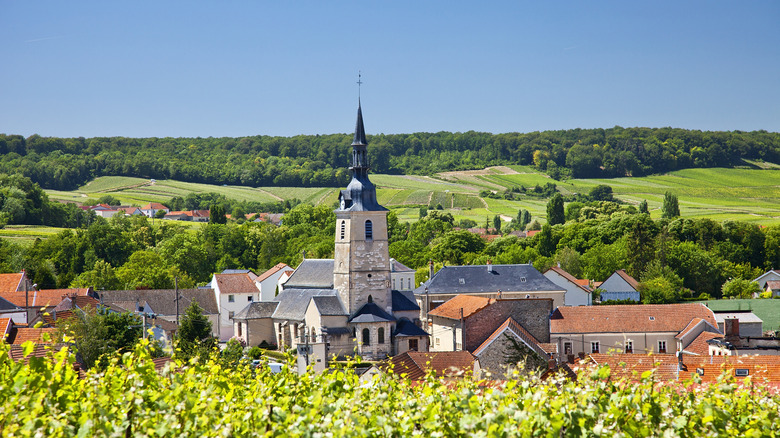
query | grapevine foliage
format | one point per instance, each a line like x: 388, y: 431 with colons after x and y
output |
x: 45, y: 397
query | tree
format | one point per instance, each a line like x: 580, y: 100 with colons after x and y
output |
x: 643, y: 207
x: 217, y: 214
x: 555, y: 213
x: 194, y: 334
x: 569, y: 261
x: 423, y: 212
x: 739, y: 288
x: 670, y: 208
x: 497, y: 223
x: 97, y: 333
x: 601, y: 192
x: 526, y: 218
x: 452, y: 246
x: 658, y: 290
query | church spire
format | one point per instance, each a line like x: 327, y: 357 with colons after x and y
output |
x: 360, y: 132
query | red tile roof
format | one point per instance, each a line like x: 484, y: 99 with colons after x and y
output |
x: 763, y: 368
x: 154, y: 206
x: 571, y: 278
x: 631, y: 366
x: 699, y: 345
x: 21, y: 335
x: 773, y: 284
x: 469, y: 303
x: 415, y: 365
x: 44, y: 297
x: 235, y: 284
x: 271, y: 271
x: 639, y: 318
x: 5, y: 325
x: 11, y: 282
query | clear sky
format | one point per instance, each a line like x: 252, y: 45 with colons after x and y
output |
x: 236, y: 68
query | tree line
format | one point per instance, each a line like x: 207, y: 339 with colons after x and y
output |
x: 322, y: 160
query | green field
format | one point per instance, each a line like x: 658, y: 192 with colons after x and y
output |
x: 766, y: 309
x: 751, y: 195
x: 26, y: 234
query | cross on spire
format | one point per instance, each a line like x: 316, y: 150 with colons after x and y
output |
x: 359, y: 82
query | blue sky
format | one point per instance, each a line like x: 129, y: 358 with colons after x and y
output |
x: 236, y: 68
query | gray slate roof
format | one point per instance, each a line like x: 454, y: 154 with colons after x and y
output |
x: 257, y: 310
x: 477, y: 279
x: 312, y: 274
x: 163, y: 301
x: 294, y: 302
x: 404, y: 300
x: 329, y: 305
x: 371, y: 312
x: 408, y: 328
x: 396, y: 266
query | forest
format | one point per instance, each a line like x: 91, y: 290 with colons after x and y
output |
x: 321, y: 160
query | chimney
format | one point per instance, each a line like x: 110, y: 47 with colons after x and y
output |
x: 731, y: 329
x: 430, y: 269
x: 489, y: 266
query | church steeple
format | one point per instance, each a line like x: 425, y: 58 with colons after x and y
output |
x: 360, y: 132
x: 360, y: 194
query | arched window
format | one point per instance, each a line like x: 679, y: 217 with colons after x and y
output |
x: 370, y: 299
x: 380, y: 336
x: 354, y: 332
x: 369, y: 230
x: 343, y: 229
x: 366, y: 337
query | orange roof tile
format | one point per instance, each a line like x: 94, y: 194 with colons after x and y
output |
x: 638, y: 318
x: 764, y: 368
x: 235, y: 284
x: 11, y: 282
x: 415, y: 365
x: 271, y: 271
x: 5, y: 325
x: 699, y: 345
x: 43, y: 297
x: 469, y: 303
x: 631, y: 366
x: 21, y: 335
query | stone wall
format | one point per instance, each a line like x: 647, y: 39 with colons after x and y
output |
x: 532, y: 314
x: 495, y: 358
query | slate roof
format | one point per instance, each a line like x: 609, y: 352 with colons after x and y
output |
x: 336, y: 331
x: 396, y: 266
x: 312, y: 274
x: 257, y: 310
x: 294, y: 302
x: 69, y: 303
x: 406, y: 328
x: 416, y: 364
x: 371, y: 312
x: 743, y: 317
x: 236, y: 284
x: 477, y: 279
x: 469, y: 303
x: 640, y: 318
x: 163, y: 301
x: 403, y: 301
x: 329, y: 305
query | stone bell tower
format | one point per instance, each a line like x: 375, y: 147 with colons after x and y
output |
x: 361, y: 268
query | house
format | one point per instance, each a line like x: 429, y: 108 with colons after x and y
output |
x: 737, y: 340
x: 402, y: 276
x: 773, y: 288
x: 151, y: 209
x: 347, y: 304
x: 164, y: 304
x: 446, y: 365
x: 113, y: 211
x: 254, y: 323
x: 492, y: 281
x: 620, y: 286
x: 466, y: 321
x: 22, y: 301
x: 628, y: 328
x: 749, y: 325
x: 233, y: 292
x: 268, y: 281
x: 577, y: 293
x: 511, y: 341
x: 771, y: 275
x: 188, y: 215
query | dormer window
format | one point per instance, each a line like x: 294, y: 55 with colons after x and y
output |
x: 369, y: 230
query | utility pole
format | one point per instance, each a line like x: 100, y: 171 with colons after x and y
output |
x: 176, y: 285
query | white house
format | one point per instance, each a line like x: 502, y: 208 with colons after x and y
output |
x: 152, y: 208
x: 402, y: 277
x: 268, y: 281
x: 577, y: 294
x: 620, y: 286
x: 767, y: 276
x: 233, y: 292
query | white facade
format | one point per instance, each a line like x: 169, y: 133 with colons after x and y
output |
x: 268, y: 282
x: 231, y: 302
x: 575, y: 294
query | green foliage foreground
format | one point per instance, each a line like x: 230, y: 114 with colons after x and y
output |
x: 130, y: 398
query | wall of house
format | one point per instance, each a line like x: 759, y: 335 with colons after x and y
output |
x: 642, y: 342
x: 268, y: 286
x: 532, y: 314
x: 746, y: 329
x: 401, y: 344
x: 402, y: 280
x: 441, y: 331
x: 255, y: 331
x: 240, y: 301
x: 575, y: 295
x: 374, y: 350
x: 493, y: 358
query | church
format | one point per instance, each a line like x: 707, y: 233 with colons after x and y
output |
x: 347, y: 303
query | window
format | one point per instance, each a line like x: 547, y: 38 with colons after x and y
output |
x: 662, y: 346
x: 629, y: 346
x: 413, y: 345
x: 741, y: 372
x: 594, y: 347
x: 249, y: 298
x: 370, y: 298
x: 369, y: 230
x: 343, y: 229
x: 380, y: 335
x: 354, y: 332
x: 366, y: 337
x: 239, y: 329
x: 231, y: 299
x: 567, y: 350
x: 438, y: 341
